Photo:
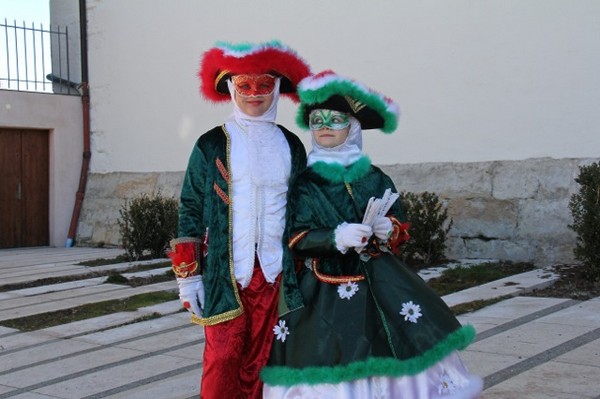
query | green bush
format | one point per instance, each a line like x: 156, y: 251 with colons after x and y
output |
x: 429, y: 226
x: 585, y: 209
x: 148, y: 223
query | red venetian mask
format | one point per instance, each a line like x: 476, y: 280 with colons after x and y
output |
x: 253, y: 85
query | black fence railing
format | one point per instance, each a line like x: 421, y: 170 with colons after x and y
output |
x: 36, y: 59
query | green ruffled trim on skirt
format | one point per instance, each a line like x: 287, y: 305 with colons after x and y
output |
x: 281, y: 375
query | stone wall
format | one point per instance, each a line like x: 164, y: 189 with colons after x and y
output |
x: 511, y: 210
x: 108, y: 193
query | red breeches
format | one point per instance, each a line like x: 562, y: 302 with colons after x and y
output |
x: 237, y: 349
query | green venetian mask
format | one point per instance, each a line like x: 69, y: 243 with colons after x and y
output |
x: 325, y: 118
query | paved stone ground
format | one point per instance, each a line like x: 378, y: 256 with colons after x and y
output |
x: 526, y: 347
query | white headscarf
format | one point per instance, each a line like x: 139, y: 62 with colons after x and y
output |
x: 268, y: 163
x: 345, y: 154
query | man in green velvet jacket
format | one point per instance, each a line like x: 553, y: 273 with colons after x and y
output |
x: 229, y: 255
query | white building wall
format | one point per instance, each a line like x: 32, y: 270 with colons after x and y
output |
x: 499, y: 102
x: 476, y: 80
x: 65, y: 13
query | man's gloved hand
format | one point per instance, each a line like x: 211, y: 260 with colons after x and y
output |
x: 348, y: 235
x: 191, y: 294
x: 382, y: 227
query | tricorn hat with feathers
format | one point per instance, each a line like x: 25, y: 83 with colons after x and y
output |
x: 225, y: 60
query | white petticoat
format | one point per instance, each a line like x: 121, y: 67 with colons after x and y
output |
x: 448, y: 379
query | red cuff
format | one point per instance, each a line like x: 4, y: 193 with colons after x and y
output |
x: 399, y: 235
x: 185, y: 257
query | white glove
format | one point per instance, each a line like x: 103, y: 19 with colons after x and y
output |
x: 348, y: 235
x: 382, y: 227
x: 191, y: 294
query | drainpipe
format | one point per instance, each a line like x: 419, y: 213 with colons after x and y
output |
x: 85, y: 104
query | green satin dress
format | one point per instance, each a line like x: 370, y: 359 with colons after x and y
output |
x: 382, y: 321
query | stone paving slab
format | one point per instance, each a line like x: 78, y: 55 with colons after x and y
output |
x: 181, y: 339
x: 180, y: 386
x: 21, y: 339
x: 49, y: 297
x: 24, y: 277
x: 488, y: 363
x: 194, y: 351
x: 176, y: 322
x: 587, y: 355
x: 28, y: 306
x: 33, y: 395
x: 125, y: 365
x: 85, y: 282
x: 164, y: 308
x: 17, y: 257
x: 164, y: 339
x: 539, y: 334
x: 508, y: 310
x: 6, y: 330
x: 529, y: 339
x: 520, y: 351
x: 41, y: 374
x: 39, y: 353
x: 550, y: 380
x: 71, y: 285
x: 91, y: 325
x: 33, y: 271
x: 509, y: 286
x: 90, y: 384
x: 148, y: 273
x: 19, y: 275
x: 584, y: 314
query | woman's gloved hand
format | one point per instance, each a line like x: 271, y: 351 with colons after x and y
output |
x: 382, y: 228
x: 349, y: 235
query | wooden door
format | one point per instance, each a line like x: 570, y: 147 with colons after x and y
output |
x: 24, y: 188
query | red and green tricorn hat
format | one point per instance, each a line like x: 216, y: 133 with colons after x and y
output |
x: 226, y: 59
x: 328, y: 90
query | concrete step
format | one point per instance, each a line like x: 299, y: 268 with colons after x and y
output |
x: 108, y: 362
x: 545, y: 338
x: 526, y: 347
x: 23, y: 257
x: 537, y: 348
x: 517, y: 284
x: 49, y: 302
x: 21, y: 275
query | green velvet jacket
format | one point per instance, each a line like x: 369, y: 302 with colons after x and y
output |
x: 325, y: 196
x: 205, y: 204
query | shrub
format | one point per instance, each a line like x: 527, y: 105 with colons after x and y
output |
x: 148, y: 223
x: 585, y: 209
x: 429, y: 228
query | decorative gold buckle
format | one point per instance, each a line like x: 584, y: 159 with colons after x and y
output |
x: 185, y: 270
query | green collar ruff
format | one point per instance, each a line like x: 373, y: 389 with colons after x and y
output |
x: 337, y: 173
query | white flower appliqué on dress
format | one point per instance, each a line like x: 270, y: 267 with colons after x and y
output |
x: 411, y: 311
x: 281, y: 331
x: 447, y: 386
x: 347, y: 290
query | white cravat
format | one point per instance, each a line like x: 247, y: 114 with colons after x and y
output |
x: 260, y: 170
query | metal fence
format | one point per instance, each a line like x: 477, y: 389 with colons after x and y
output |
x: 37, y: 59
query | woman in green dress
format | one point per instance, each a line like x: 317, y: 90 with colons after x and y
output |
x: 370, y: 327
